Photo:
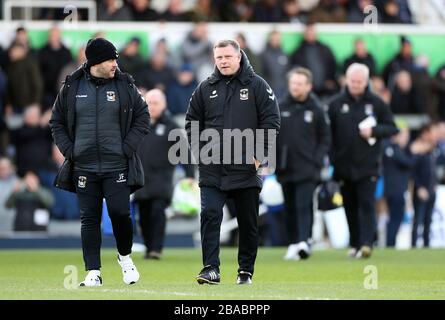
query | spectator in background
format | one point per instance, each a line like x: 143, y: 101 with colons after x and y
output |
x: 292, y: 12
x: 180, y: 90
x: 22, y: 37
x: 130, y: 60
x: 267, y: 11
x: 52, y: 58
x: 356, y: 10
x: 24, y: 80
x: 404, y: 60
x: 425, y: 183
x: 203, y: 11
x: 379, y: 88
x: 197, y: 48
x: 394, y: 11
x: 28, y: 198
x: 236, y: 10
x: 328, y: 11
x: 141, y: 11
x: 155, y: 74
x: 422, y: 82
x: 404, y: 96
x: 253, y: 58
x: 155, y: 196
x: 174, y: 12
x: 319, y: 59
x: 66, y: 206
x: 398, y: 162
x: 275, y: 64
x: 438, y: 87
x: 110, y: 10
x: 361, y: 55
x: 72, y: 66
x: 8, y: 180
x: 33, y: 143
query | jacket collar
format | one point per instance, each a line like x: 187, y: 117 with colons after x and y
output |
x: 244, y: 74
x: 82, y: 70
x: 366, y: 95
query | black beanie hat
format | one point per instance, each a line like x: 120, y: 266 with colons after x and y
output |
x: 99, y: 50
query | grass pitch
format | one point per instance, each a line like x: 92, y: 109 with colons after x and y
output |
x: 329, y: 274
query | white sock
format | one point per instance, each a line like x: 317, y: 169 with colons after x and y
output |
x: 94, y: 272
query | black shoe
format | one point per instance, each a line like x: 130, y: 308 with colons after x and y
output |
x: 244, y: 277
x: 209, y: 275
x: 154, y: 255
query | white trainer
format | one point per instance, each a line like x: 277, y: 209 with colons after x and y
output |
x: 93, y: 279
x: 292, y: 252
x: 129, y: 271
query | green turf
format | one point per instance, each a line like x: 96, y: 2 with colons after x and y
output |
x: 415, y: 274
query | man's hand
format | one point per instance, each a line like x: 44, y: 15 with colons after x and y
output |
x: 257, y: 163
x: 423, y: 194
x: 366, y: 133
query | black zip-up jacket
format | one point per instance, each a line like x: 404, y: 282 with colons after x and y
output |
x: 353, y: 157
x: 134, y: 125
x: 304, y: 140
x: 244, y: 101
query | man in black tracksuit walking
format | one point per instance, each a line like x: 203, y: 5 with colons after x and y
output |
x: 98, y: 121
x: 302, y: 145
x: 233, y: 97
x: 359, y: 120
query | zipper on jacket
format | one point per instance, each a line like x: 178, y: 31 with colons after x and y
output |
x: 97, y: 130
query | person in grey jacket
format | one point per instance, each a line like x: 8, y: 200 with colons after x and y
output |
x: 98, y: 120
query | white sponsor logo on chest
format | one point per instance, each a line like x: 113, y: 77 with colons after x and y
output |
x: 244, y: 94
x: 111, y: 96
x: 160, y: 129
x: 308, y: 116
x: 213, y: 95
x: 345, y: 108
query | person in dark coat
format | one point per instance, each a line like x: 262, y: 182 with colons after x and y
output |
x: 52, y: 58
x: 318, y: 58
x: 155, y: 196
x: 233, y: 97
x: 398, y: 162
x: 98, y: 121
x: 361, y: 55
x: 425, y: 185
x: 303, y: 143
x: 359, y: 120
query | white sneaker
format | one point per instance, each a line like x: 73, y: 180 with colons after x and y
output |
x: 129, y: 271
x: 303, y: 249
x: 93, y: 279
x: 292, y: 252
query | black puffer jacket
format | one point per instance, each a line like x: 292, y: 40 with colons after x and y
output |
x: 244, y: 101
x: 304, y: 140
x: 134, y: 125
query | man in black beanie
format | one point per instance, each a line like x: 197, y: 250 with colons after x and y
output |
x: 98, y: 120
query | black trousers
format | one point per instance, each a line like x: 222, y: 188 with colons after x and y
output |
x: 298, y: 198
x: 91, y: 188
x: 153, y: 221
x: 359, y: 204
x: 396, y: 205
x: 423, y: 213
x: 247, y: 207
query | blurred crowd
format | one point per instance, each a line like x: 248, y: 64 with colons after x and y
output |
x: 30, y: 79
x: 270, y: 11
